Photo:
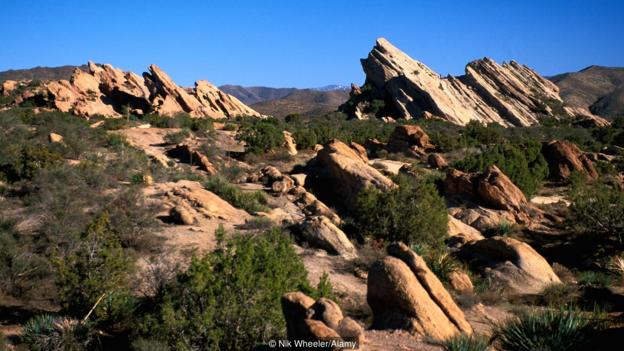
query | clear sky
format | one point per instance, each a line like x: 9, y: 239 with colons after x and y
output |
x: 307, y: 43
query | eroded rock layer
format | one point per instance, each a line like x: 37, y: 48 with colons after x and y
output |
x: 105, y: 90
x: 510, y: 94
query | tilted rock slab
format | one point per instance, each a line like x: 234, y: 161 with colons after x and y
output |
x: 510, y: 94
x: 404, y: 294
x: 564, y: 157
x: 105, y: 90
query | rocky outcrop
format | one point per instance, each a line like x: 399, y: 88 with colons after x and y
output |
x: 320, y: 320
x: 564, y: 157
x: 436, y: 161
x: 320, y: 232
x: 492, y: 189
x: 461, y: 233
x: 512, y: 263
x: 403, y: 293
x: 105, y: 90
x: 344, y: 172
x: 289, y: 143
x: 409, y: 139
x: 187, y: 154
x: 510, y: 94
x: 311, y: 206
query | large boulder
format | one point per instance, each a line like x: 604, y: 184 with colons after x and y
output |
x: 409, y: 139
x: 512, y: 263
x: 564, y: 157
x: 345, y: 172
x: 320, y: 232
x: 404, y: 294
x: 187, y: 154
x: 461, y: 233
x: 320, y: 320
x: 311, y: 206
x: 289, y: 143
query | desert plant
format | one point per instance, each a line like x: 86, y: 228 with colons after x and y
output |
x: 595, y: 278
x: 463, y: 342
x: 229, y: 299
x: 261, y: 135
x: 413, y: 213
x: 552, y: 330
x: 177, y: 137
x: 249, y: 201
x: 439, y: 261
x: 559, y: 294
x: 48, y: 333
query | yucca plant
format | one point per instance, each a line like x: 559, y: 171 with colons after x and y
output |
x: 549, y: 330
x: 45, y: 332
x: 463, y: 342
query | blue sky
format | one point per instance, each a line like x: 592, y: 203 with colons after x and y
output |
x: 307, y: 43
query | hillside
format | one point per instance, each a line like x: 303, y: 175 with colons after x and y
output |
x: 601, y: 89
x: 39, y: 73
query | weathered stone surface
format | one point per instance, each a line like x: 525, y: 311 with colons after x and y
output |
x: 181, y: 215
x: 511, y: 262
x: 283, y: 185
x: 8, y: 86
x: 461, y: 282
x: 481, y: 218
x: 347, y: 172
x: 436, y: 161
x: 320, y: 232
x: 360, y: 150
x: 510, y: 94
x: 461, y: 232
x: 409, y: 139
x: 55, y: 138
x: 564, y: 157
x: 109, y: 91
x: 312, y: 206
x: 289, y: 143
x: 187, y: 154
x: 295, y: 307
x: 326, y: 311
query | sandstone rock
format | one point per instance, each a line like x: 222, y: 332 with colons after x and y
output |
x: 347, y: 173
x: 481, y: 218
x: 350, y: 330
x: 399, y: 301
x: 360, y: 150
x: 511, y: 262
x: 510, y: 94
x: 271, y: 173
x: 320, y: 232
x: 108, y: 91
x: 312, y: 206
x: 289, y: 142
x: 388, y: 166
x: 181, y: 215
x: 283, y: 185
x: 461, y: 282
x: 186, y: 154
x: 564, y: 157
x: 326, y: 311
x: 8, y: 86
x: 461, y: 232
x: 299, y: 178
x: 55, y: 138
x: 295, y: 307
x: 436, y: 161
x: 408, y: 139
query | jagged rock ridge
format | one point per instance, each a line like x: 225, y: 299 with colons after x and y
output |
x: 109, y: 91
x: 510, y: 94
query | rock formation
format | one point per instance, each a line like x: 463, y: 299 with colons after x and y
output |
x: 404, y: 294
x: 564, y: 157
x: 510, y: 94
x: 409, y: 139
x: 319, y: 231
x: 512, y: 263
x: 343, y: 171
x: 320, y: 320
x: 105, y: 90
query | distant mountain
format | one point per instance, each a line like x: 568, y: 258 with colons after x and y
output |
x: 601, y: 89
x: 333, y: 87
x: 280, y: 102
x: 39, y: 73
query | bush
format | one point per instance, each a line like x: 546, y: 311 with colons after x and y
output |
x: 249, y: 201
x: 229, y: 299
x: 522, y: 163
x: 413, y: 213
x: 97, y: 270
x: 596, y: 279
x: 439, y: 261
x: 47, y: 333
x: 552, y: 330
x: 559, y: 294
x: 465, y: 342
x: 177, y: 137
x: 261, y: 135
x: 598, y: 211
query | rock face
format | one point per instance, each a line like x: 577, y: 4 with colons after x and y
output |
x: 323, y: 320
x: 512, y: 263
x: 493, y: 189
x: 564, y: 157
x: 109, y: 91
x: 409, y: 139
x: 346, y: 172
x: 510, y: 94
x: 189, y: 155
x: 320, y: 232
x: 404, y: 294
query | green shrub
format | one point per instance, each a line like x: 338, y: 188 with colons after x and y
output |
x: 261, y: 135
x: 179, y: 120
x: 596, y: 279
x: 97, y: 270
x: 47, y: 333
x: 229, y: 299
x: 177, y: 137
x: 522, y: 163
x: 552, y: 330
x: 3, y: 343
x: 249, y: 201
x: 598, y: 211
x: 465, y: 342
x: 559, y: 294
x: 413, y: 213
x: 439, y: 261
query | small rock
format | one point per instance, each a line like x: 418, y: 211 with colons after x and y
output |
x: 55, y: 138
x: 181, y: 215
